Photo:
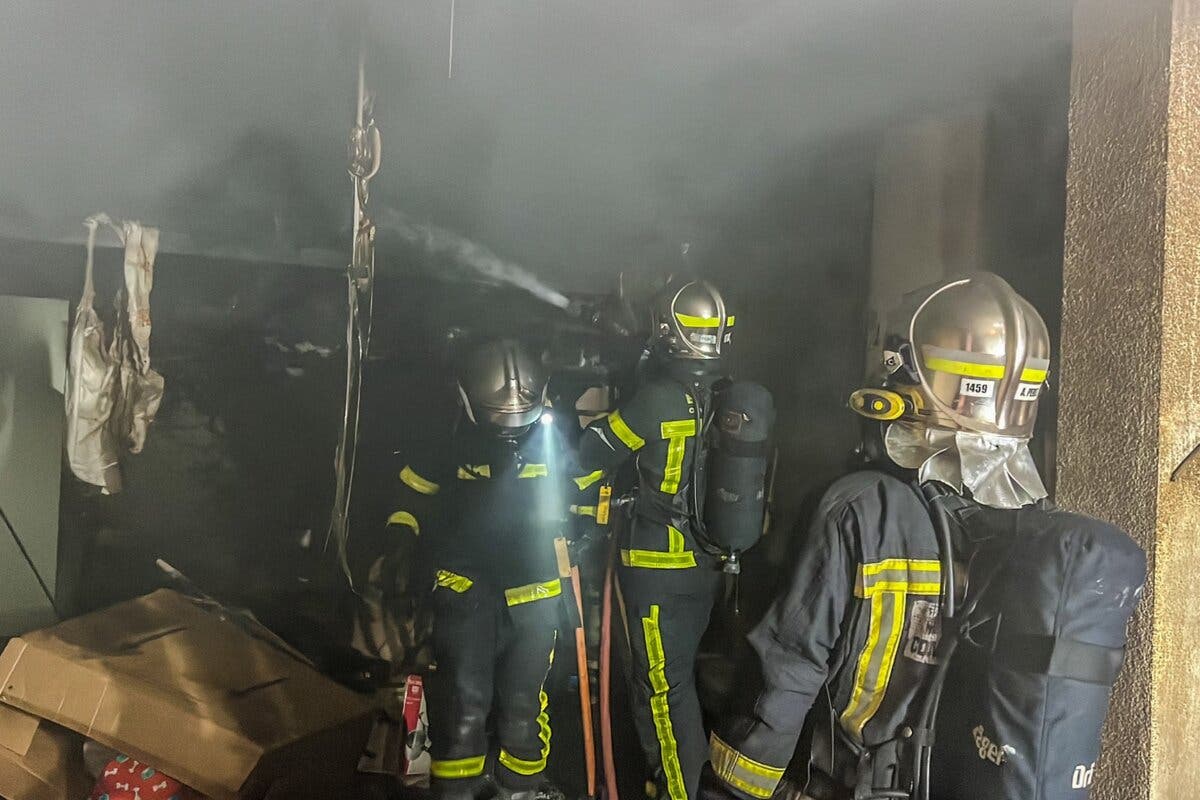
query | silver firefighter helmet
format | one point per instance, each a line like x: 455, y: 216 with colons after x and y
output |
x: 503, y: 386
x: 689, y: 320
x: 961, y: 366
x: 967, y: 354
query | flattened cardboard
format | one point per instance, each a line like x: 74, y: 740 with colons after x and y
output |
x: 176, y: 686
x: 39, y: 760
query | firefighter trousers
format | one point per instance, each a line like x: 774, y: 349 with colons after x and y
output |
x: 665, y: 617
x: 491, y: 654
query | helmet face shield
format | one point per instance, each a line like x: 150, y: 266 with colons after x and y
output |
x: 691, y: 320
x: 503, y: 386
x: 972, y: 354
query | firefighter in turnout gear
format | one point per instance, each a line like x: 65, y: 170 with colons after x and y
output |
x: 487, y: 508
x: 667, y: 580
x: 949, y: 522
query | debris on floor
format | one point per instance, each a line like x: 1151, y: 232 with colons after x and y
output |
x: 172, y: 684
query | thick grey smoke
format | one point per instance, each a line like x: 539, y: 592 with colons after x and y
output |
x: 440, y: 243
x: 577, y: 137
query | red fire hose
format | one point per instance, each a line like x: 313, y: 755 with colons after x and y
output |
x: 585, y: 688
x: 606, y: 739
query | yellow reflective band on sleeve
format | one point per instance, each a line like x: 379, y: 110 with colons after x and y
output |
x: 405, y: 518
x: 458, y: 768
x: 752, y: 777
x: 415, y: 482
x: 624, y: 432
x: 660, y: 709
x: 688, y: 321
x: 583, y: 511
x: 533, y: 592
x: 471, y: 472
x: 887, y: 584
x: 676, y: 432
x: 534, y: 471
x: 453, y: 581
x: 589, y: 480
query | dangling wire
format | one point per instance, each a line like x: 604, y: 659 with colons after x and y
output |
x: 32, y: 564
x: 365, y: 152
x: 450, y: 63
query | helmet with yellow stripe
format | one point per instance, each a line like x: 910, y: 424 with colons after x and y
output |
x: 689, y: 320
x: 964, y: 354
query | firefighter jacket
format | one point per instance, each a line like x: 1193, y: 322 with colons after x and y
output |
x: 860, y: 612
x: 660, y: 428
x: 490, y: 508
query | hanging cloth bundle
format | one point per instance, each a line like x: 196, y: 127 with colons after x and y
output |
x: 112, y: 393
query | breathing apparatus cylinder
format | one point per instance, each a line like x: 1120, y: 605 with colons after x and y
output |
x: 739, y: 457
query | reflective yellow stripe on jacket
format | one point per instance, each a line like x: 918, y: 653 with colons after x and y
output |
x: 531, y: 593
x: 887, y: 585
x: 621, y: 428
x: 676, y: 432
x: 675, y: 556
x: 752, y: 777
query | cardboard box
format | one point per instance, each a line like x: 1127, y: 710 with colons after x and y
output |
x: 176, y: 686
x: 39, y: 760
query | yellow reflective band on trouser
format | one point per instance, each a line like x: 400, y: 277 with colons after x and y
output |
x: 534, y: 471
x: 676, y: 432
x: 887, y: 584
x: 405, y: 518
x: 453, y: 581
x: 621, y: 428
x: 660, y: 709
x: 415, y: 482
x: 752, y: 777
x: 533, y: 592
x: 521, y: 766
x: 458, y: 768
x: 588, y: 480
x: 674, y: 558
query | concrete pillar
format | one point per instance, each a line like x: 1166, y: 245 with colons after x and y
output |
x: 1130, y: 369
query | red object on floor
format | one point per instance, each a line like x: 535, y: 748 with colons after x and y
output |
x: 126, y: 779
